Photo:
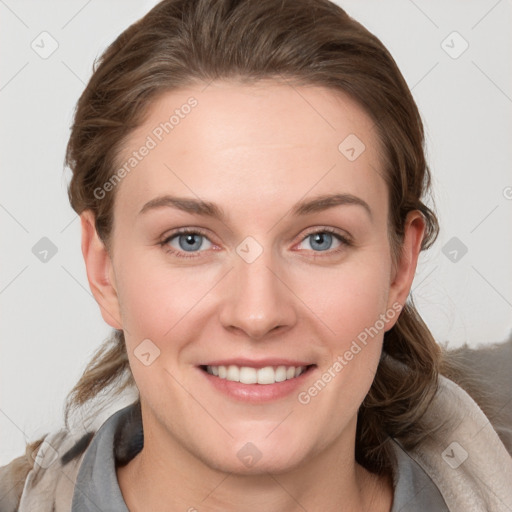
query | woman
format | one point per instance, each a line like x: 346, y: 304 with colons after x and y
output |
x: 250, y: 180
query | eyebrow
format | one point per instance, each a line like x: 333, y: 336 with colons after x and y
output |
x: 208, y: 209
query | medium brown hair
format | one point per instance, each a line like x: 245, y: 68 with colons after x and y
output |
x: 299, y: 42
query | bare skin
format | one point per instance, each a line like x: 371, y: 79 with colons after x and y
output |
x: 255, y: 151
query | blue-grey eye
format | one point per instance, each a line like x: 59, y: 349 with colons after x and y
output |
x: 321, y: 241
x: 189, y: 241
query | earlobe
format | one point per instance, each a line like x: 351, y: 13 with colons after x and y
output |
x: 406, y: 268
x: 100, y: 271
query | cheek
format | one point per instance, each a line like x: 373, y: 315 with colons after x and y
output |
x: 348, y: 299
x: 350, y: 305
x: 155, y: 297
x: 158, y: 303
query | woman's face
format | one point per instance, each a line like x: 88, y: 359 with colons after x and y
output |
x: 267, y: 275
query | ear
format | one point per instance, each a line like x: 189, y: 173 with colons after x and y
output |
x: 403, y: 274
x: 100, y: 272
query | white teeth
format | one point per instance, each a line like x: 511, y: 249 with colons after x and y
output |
x: 249, y: 375
x: 281, y: 373
x: 233, y: 373
x: 266, y: 375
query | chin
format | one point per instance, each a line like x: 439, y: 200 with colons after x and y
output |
x: 254, y: 458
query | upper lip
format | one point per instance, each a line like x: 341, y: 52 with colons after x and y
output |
x: 260, y: 363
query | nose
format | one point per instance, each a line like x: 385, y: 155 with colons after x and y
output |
x: 258, y: 300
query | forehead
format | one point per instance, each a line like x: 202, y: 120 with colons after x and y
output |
x: 247, y: 144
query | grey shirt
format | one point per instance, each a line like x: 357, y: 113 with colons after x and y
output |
x: 97, y: 488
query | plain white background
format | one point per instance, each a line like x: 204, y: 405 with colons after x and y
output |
x: 50, y: 323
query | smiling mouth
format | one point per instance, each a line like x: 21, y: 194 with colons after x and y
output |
x: 249, y: 375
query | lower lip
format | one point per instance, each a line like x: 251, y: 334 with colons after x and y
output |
x: 258, y: 393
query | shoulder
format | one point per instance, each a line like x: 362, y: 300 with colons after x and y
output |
x: 44, y: 479
x: 485, y: 374
x: 463, y: 454
x: 46, y: 472
x: 13, y: 476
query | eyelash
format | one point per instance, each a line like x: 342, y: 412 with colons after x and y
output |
x: 346, y: 242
